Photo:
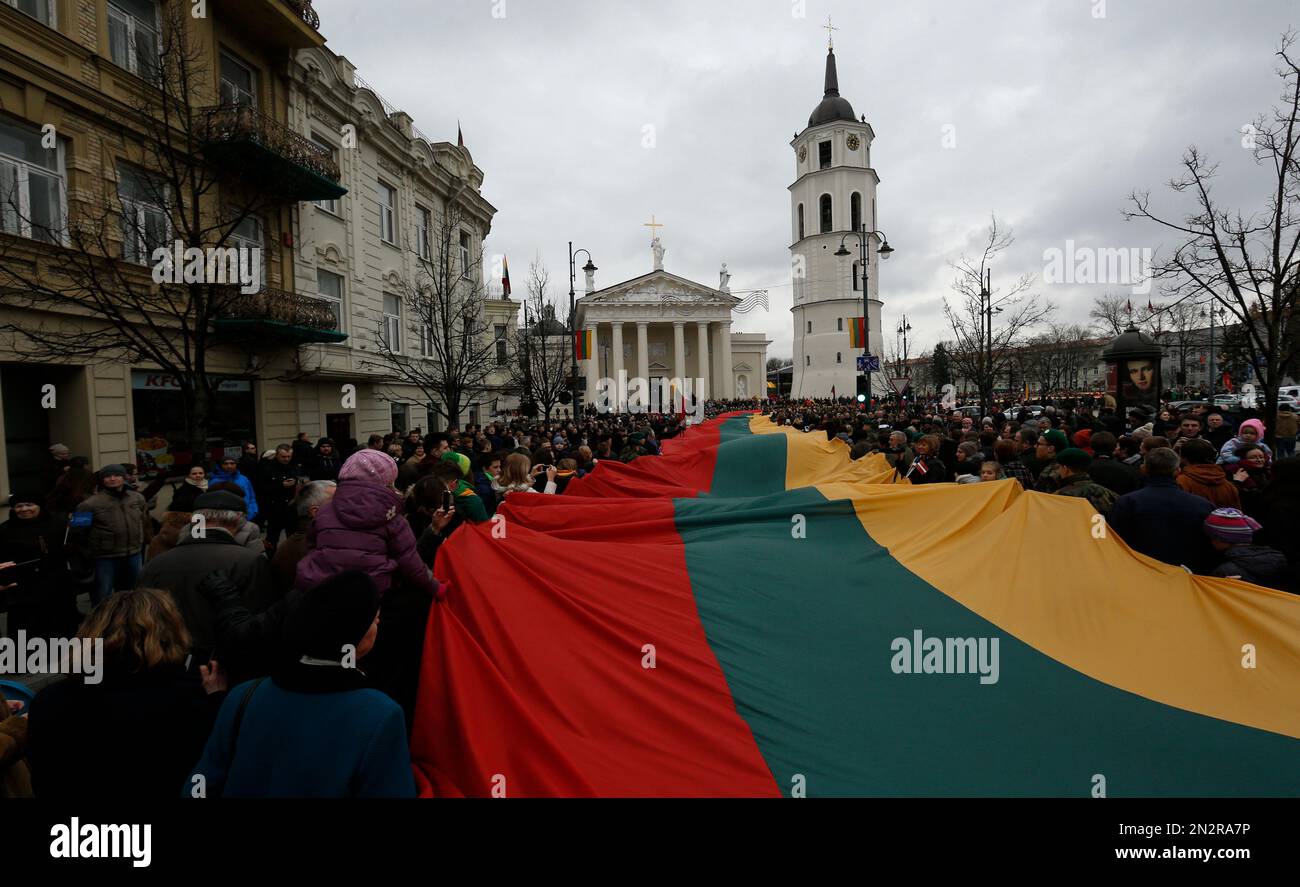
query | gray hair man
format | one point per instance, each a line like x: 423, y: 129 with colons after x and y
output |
x: 293, y: 547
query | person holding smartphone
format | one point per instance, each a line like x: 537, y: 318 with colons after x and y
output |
x: 39, y: 584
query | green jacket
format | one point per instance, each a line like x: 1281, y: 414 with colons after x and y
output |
x: 468, y: 504
x: 1084, y: 487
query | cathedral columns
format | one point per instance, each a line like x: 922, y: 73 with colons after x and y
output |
x: 679, y: 360
x: 728, y: 389
x: 593, y: 366
x: 616, y: 370
x: 702, y: 360
x: 643, y: 360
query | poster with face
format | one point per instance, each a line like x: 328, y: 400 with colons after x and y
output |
x: 1141, y: 382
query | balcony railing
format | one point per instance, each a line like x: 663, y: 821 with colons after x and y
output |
x: 260, y: 147
x: 305, y: 12
x: 280, y: 315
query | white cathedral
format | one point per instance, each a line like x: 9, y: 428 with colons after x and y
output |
x: 833, y: 194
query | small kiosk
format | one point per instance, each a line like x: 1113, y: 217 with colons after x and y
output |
x: 1133, y: 371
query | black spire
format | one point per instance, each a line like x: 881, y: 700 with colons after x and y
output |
x: 832, y: 107
x: 832, y: 79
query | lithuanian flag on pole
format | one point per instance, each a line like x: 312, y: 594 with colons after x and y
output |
x: 582, y: 345
x: 754, y: 614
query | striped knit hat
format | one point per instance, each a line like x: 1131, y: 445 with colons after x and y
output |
x: 1231, y: 526
x: 461, y: 461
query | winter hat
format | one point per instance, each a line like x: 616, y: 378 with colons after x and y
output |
x: 1083, y: 437
x: 1231, y: 526
x: 1252, y: 423
x: 1056, y: 438
x: 332, y: 615
x: 59, y: 450
x: 461, y: 461
x: 1074, y: 458
x: 221, y: 500
x: 370, y: 466
x: 29, y: 493
x: 111, y: 470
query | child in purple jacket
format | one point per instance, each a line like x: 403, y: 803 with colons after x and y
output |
x: 362, y: 528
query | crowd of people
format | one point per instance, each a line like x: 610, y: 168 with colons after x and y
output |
x: 1199, y: 488
x: 263, y: 617
x: 282, y: 593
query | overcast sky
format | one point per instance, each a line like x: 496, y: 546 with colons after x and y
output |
x: 1057, y: 115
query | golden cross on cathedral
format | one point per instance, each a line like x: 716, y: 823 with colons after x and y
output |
x: 652, y: 225
x: 830, y: 36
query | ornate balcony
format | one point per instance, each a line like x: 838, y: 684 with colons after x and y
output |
x: 268, y: 155
x: 287, y: 24
x: 275, y: 316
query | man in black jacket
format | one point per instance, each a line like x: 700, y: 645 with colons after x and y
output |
x: 276, y: 488
x: 1163, y: 521
x: 211, y: 547
x: 1108, y: 471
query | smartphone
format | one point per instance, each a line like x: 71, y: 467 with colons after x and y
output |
x: 448, y: 501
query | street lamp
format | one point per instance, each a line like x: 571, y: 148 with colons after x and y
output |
x: 1212, y: 369
x: 987, y: 310
x: 903, y: 329
x: 885, y: 251
x: 590, y: 269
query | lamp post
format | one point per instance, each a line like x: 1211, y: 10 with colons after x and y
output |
x: 903, y: 329
x: 1212, y: 368
x: 885, y: 251
x: 987, y: 310
x: 589, y: 268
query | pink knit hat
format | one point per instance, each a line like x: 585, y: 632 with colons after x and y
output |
x: 1252, y: 423
x: 370, y: 466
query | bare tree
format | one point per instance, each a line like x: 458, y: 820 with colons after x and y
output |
x: 542, y: 357
x: 978, y: 353
x: 442, y: 343
x: 1112, y: 314
x: 83, y: 285
x: 1246, y: 261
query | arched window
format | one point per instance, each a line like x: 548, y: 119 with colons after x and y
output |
x: 827, y: 223
x: 855, y: 211
x: 801, y: 221
x: 856, y: 278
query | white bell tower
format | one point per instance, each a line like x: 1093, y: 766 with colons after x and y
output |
x: 833, y: 194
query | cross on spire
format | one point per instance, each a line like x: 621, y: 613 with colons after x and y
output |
x: 653, y: 226
x: 830, y: 35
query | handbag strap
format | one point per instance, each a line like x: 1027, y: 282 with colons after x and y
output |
x: 239, y: 715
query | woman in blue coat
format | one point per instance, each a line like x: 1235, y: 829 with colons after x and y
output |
x: 314, y: 728
x: 228, y: 473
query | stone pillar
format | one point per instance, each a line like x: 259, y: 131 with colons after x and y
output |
x: 679, y: 361
x: 593, y: 364
x: 616, y: 366
x: 643, y: 361
x: 702, y: 360
x: 728, y: 378
x: 715, y: 381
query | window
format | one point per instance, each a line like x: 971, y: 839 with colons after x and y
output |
x: 824, y: 154
x: 464, y: 254
x: 810, y: 326
x: 807, y: 361
x: 855, y: 211
x: 426, y: 341
x: 33, y: 186
x: 41, y: 10
x: 801, y: 221
x: 387, y: 197
x: 423, y: 229
x: 390, y: 331
x: 837, y: 357
x: 827, y: 224
x: 238, y: 82
x: 145, y: 224
x: 329, y: 286
x: 856, y: 280
x: 133, y: 36
x: 247, y: 235
x: 399, y: 416
x: 839, y: 324
x: 330, y: 206
x: 499, y: 332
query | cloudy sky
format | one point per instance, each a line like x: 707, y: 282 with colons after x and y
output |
x: 1059, y: 108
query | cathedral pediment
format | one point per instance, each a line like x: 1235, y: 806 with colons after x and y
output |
x: 660, y: 287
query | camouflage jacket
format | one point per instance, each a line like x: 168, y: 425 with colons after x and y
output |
x: 1084, y: 487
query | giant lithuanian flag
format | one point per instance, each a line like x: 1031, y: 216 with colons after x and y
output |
x: 791, y: 600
